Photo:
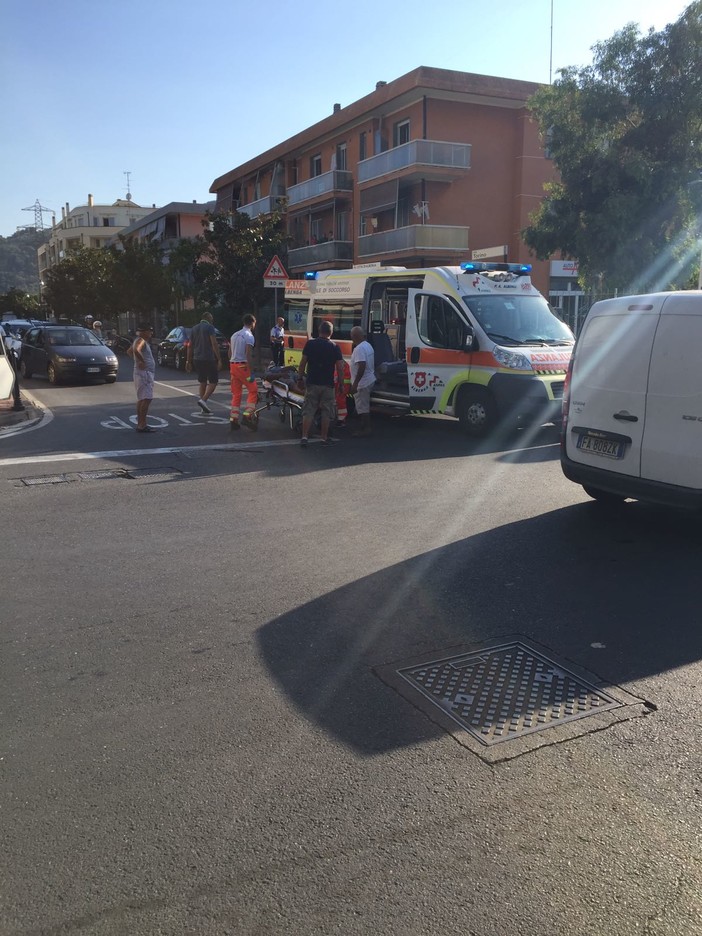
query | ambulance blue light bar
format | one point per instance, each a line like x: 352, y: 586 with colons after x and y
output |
x: 311, y: 275
x: 475, y: 267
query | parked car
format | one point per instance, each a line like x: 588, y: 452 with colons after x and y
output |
x: 16, y: 329
x: 173, y: 349
x: 66, y: 351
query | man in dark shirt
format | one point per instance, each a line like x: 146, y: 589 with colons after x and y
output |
x: 204, y: 351
x: 320, y: 358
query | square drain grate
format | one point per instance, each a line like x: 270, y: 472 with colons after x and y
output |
x: 155, y: 474
x: 507, y: 690
x: 45, y: 479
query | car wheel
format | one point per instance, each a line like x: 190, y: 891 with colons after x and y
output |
x: 178, y: 360
x: 110, y: 379
x: 160, y: 358
x: 25, y: 371
x: 52, y: 373
x: 603, y: 497
x: 477, y: 411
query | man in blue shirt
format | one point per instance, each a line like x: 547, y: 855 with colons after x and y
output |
x: 320, y: 358
x: 204, y: 351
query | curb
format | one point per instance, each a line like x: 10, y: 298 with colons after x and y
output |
x: 30, y: 414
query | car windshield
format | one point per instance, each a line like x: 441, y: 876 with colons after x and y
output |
x: 63, y: 337
x: 519, y: 320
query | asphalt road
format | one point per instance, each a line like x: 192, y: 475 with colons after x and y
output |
x: 199, y: 735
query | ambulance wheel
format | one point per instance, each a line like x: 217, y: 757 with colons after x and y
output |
x: 477, y: 411
x: 603, y: 497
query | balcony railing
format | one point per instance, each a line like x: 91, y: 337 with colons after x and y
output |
x: 430, y: 153
x: 414, y: 237
x: 338, y: 180
x: 328, y: 252
x: 265, y: 205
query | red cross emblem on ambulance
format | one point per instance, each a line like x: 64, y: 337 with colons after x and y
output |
x: 420, y: 378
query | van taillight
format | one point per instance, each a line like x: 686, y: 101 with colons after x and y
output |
x: 565, y: 405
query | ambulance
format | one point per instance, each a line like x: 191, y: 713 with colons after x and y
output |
x: 475, y: 341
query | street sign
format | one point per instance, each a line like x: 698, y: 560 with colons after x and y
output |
x: 275, y: 275
x: 490, y: 253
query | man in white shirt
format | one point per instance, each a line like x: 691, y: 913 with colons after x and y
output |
x: 362, y: 377
x: 242, y: 345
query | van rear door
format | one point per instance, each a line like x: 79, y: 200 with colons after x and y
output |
x: 672, y: 441
x: 609, y: 382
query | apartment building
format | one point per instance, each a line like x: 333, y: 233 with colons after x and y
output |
x: 427, y: 169
x: 174, y: 222
x: 87, y: 225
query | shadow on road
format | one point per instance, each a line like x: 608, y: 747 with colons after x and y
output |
x: 567, y: 579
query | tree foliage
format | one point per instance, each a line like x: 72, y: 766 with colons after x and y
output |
x: 237, y: 251
x: 22, y: 304
x: 81, y: 284
x: 625, y: 134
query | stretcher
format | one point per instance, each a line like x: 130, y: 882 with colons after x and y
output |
x: 283, y: 392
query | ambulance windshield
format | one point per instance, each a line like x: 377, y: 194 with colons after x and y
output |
x: 519, y: 320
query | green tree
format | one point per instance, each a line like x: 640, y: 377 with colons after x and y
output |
x: 237, y: 251
x: 139, y: 281
x: 625, y: 134
x: 21, y: 303
x: 81, y: 284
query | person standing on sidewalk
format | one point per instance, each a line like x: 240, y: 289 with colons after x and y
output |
x: 144, y: 374
x: 278, y: 342
x: 362, y: 377
x: 320, y: 358
x: 203, y: 350
x: 242, y: 345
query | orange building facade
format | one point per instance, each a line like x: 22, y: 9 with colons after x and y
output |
x: 430, y: 169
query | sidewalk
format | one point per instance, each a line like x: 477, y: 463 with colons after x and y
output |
x: 10, y: 417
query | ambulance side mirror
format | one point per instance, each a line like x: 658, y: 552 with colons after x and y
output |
x: 470, y: 342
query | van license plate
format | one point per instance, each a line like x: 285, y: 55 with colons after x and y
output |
x: 92, y: 370
x: 605, y: 447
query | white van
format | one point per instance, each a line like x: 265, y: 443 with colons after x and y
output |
x: 632, y: 405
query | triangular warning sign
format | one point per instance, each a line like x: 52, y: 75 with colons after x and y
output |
x: 275, y: 270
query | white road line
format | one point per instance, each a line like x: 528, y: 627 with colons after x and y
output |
x: 160, y: 383
x: 135, y: 453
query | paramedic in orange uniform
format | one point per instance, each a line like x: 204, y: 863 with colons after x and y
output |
x: 242, y: 344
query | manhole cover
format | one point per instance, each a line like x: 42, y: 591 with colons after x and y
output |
x: 504, y: 691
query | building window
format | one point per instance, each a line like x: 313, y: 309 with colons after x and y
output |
x: 401, y: 133
x: 315, y: 166
x: 316, y: 231
x: 341, y: 156
x: 362, y: 145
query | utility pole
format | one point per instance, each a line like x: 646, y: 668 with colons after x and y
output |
x: 38, y: 210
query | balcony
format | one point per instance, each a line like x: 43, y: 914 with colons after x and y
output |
x: 316, y: 254
x: 417, y: 238
x: 329, y: 185
x: 266, y: 205
x: 419, y: 159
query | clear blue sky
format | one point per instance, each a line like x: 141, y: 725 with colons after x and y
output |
x: 179, y: 93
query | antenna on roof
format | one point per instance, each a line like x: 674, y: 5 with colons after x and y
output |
x: 129, y: 194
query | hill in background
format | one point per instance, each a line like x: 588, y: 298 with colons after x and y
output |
x: 18, y: 260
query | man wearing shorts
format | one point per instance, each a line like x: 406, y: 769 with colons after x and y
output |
x: 203, y: 350
x: 363, y: 377
x: 320, y: 358
x: 144, y: 373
